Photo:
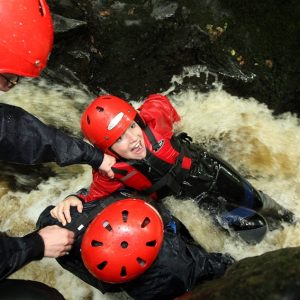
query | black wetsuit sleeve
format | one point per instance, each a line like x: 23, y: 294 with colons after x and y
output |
x: 16, y: 252
x: 25, y: 139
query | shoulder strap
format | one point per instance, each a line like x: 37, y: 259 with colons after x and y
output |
x: 172, y: 179
x: 90, y: 212
x: 152, y: 138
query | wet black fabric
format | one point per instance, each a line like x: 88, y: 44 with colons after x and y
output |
x: 210, y: 176
x: 16, y: 252
x: 11, y: 289
x: 179, y: 267
x: 25, y: 139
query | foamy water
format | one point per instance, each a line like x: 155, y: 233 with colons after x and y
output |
x: 242, y: 131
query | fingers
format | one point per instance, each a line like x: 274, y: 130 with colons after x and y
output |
x: 62, y: 210
x: 79, y: 206
x: 107, y: 163
x: 55, y: 213
x: 61, y: 213
x: 110, y: 173
x: 57, y: 241
x: 65, y: 251
x: 66, y: 212
x: 68, y: 245
x: 58, y: 213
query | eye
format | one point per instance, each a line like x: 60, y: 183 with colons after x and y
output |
x: 133, y: 125
x: 119, y: 139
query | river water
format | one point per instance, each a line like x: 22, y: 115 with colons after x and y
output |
x: 244, y: 132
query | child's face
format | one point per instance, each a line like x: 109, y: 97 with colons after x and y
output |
x: 131, y: 144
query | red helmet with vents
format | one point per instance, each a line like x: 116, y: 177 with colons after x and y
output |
x: 26, y: 36
x: 123, y: 241
x: 106, y: 119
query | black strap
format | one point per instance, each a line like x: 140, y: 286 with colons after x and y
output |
x: 80, y: 223
x: 173, y: 179
x: 119, y: 171
x: 152, y: 139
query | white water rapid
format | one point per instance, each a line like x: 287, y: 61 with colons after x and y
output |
x: 244, y: 132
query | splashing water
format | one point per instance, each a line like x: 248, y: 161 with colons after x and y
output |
x: 262, y: 147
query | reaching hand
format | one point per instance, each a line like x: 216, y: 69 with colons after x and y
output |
x: 58, y: 241
x: 107, y: 163
x: 62, y: 210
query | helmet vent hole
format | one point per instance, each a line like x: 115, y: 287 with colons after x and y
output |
x: 88, y: 120
x: 124, y: 244
x: 96, y: 243
x: 145, y: 222
x: 107, y: 226
x: 151, y: 243
x: 102, y: 265
x: 99, y: 108
x: 41, y: 8
x: 125, y: 215
x: 141, y: 262
x: 123, y: 272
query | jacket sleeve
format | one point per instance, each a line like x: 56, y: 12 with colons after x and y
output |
x: 25, y: 139
x: 158, y: 112
x: 102, y: 186
x: 15, y: 252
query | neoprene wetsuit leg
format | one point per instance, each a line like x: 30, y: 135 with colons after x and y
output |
x: 236, y: 189
x: 235, y: 204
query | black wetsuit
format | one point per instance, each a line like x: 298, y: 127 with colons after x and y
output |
x: 179, y: 267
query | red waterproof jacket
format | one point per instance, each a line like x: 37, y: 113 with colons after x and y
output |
x: 159, y: 115
x: 173, y: 166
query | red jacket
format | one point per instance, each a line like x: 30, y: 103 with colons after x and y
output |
x: 159, y: 114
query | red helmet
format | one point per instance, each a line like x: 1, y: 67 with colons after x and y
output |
x: 26, y: 36
x: 106, y: 119
x: 123, y: 240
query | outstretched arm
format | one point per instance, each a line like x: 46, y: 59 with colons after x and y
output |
x: 25, y: 139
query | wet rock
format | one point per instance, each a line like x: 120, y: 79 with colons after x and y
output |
x: 273, y: 275
x: 133, y: 48
x: 62, y: 24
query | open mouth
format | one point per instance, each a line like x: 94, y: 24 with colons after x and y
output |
x: 137, y: 147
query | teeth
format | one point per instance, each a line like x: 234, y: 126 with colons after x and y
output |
x: 136, y: 146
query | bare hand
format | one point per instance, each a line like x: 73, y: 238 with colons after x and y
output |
x: 62, y: 210
x: 107, y: 163
x: 58, y: 241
